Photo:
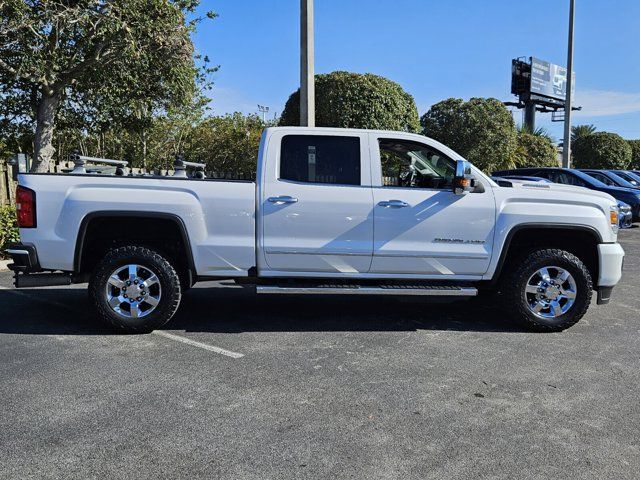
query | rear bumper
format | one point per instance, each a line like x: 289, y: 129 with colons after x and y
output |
x: 27, y: 271
x: 611, y: 260
x: 25, y: 258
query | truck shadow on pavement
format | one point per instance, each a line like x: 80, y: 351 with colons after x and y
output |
x: 60, y: 311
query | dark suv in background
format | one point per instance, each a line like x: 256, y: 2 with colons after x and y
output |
x: 569, y: 176
x: 613, y: 179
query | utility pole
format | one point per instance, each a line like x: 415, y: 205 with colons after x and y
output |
x: 566, y: 147
x: 307, y: 78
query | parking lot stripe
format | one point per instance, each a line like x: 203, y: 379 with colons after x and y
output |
x: 193, y: 343
x: 170, y: 336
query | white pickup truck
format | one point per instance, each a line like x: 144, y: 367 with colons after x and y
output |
x: 333, y: 211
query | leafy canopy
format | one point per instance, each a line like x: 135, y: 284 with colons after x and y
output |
x: 95, y: 61
x: 482, y: 130
x: 353, y: 100
x: 579, y: 131
x: 535, y: 151
x: 602, y: 150
x: 635, y: 154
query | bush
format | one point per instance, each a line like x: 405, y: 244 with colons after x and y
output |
x: 535, y: 151
x: 635, y: 154
x: 481, y: 130
x: 227, y: 144
x: 352, y: 100
x: 601, y: 150
x: 8, y: 227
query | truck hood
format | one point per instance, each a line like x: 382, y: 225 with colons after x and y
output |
x: 551, y: 203
x: 558, y: 187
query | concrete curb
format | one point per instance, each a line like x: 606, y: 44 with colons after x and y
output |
x: 3, y: 265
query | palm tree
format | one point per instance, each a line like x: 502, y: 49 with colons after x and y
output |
x: 538, y: 132
x: 580, y: 131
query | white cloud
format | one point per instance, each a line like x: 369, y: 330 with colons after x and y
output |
x: 603, y: 103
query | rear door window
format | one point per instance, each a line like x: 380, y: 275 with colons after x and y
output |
x: 320, y: 159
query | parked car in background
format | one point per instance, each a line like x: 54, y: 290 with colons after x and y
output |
x: 610, y: 178
x: 568, y: 176
x: 631, y: 177
x: 626, y: 215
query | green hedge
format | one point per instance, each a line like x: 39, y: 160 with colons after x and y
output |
x: 482, y: 130
x: 353, y: 100
x: 635, y: 154
x: 601, y: 150
x: 535, y: 151
x: 8, y: 228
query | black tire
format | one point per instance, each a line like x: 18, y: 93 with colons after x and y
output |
x: 169, y: 286
x: 515, y: 282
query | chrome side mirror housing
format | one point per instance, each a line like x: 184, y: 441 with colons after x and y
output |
x: 463, y: 180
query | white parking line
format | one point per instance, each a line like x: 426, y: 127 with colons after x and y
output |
x: 193, y: 343
x: 170, y: 336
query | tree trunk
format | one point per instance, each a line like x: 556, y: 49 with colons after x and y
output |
x: 43, y: 141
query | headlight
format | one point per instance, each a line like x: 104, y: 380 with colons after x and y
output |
x: 614, y: 215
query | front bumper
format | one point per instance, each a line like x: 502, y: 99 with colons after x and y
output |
x: 610, y: 262
x: 626, y: 218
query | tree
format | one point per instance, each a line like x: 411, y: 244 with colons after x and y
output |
x: 482, y: 130
x: 99, y: 60
x: 535, y: 151
x: 352, y: 100
x: 579, y: 131
x: 601, y: 150
x: 538, y: 132
x: 635, y: 154
x: 227, y: 144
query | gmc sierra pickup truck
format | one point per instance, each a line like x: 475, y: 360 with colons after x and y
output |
x: 333, y: 211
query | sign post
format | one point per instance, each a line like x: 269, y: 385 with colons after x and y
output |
x: 566, y: 148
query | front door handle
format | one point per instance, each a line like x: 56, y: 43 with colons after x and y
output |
x: 282, y: 199
x: 393, y: 204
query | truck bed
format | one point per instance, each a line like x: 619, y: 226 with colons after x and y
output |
x: 217, y: 215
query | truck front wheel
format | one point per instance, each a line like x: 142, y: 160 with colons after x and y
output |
x: 135, y: 289
x: 548, y: 290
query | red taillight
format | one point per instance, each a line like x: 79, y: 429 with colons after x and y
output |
x: 26, y: 207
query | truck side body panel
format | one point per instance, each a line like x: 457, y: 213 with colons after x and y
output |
x: 218, y: 216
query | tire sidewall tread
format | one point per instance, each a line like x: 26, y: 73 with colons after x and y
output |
x: 515, y: 281
x: 169, y: 282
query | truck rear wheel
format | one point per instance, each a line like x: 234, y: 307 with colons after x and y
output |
x: 548, y: 290
x: 135, y: 289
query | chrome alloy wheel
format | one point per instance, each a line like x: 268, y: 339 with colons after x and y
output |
x: 133, y: 291
x: 550, y: 292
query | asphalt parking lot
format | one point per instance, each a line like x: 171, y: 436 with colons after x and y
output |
x: 241, y: 386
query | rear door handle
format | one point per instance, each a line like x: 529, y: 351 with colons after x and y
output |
x: 282, y: 199
x: 393, y: 204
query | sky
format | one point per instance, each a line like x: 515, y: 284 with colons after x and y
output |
x: 435, y: 49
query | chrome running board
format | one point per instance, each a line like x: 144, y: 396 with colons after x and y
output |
x: 425, y: 290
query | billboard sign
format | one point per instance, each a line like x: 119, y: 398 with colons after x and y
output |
x: 548, y: 80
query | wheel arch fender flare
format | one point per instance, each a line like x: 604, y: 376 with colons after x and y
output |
x: 516, y: 229
x: 87, y: 219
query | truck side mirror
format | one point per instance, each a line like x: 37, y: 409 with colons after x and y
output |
x: 463, y: 181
